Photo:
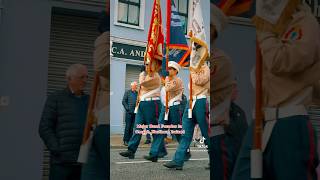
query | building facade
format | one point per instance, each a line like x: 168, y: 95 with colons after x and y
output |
x: 38, y: 41
x: 129, y: 23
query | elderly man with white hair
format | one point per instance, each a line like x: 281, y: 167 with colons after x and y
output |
x: 62, y: 124
x: 129, y: 103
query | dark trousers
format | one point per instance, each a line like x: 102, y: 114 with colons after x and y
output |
x: 129, y: 126
x: 175, y: 115
x: 222, y: 157
x: 148, y: 137
x: 96, y: 168
x: 148, y: 113
x: 200, y: 115
x: 65, y: 172
x: 291, y: 152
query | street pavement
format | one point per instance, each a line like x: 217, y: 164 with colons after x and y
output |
x: 139, y: 169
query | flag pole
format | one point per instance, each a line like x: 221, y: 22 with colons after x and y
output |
x: 167, y: 52
x: 167, y: 92
x: 190, y: 83
x: 256, y: 152
x: 90, y: 115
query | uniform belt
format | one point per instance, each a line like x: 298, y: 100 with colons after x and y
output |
x: 174, y: 103
x: 150, y: 99
x: 199, y: 97
x: 166, y: 114
x: 271, y: 115
x: 217, y: 130
x: 195, y: 98
x: 282, y: 112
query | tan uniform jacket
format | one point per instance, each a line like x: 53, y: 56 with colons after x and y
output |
x: 201, y: 81
x: 222, y: 80
x: 102, y: 66
x: 290, y: 62
x: 174, y: 87
x: 148, y: 83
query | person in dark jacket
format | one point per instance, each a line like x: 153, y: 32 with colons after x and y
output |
x: 62, y: 124
x: 129, y: 103
x: 238, y: 123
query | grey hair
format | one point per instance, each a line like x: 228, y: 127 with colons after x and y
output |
x: 134, y: 82
x: 73, y: 70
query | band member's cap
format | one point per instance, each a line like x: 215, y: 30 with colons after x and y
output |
x: 218, y: 18
x: 174, y: 65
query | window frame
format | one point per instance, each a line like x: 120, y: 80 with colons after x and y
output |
x: 127, y: 24
x: 186, y: 15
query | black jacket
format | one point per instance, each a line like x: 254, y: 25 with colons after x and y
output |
x: 129, y: 101
x: 238, y: 125
x: 62, y: 124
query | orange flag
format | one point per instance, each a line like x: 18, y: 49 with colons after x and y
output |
x: 155, y: 36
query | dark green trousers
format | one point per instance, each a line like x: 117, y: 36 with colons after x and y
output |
x: 148, y: 113
x: 222, y: 157
x: 97, y: 166
x: 174, y: 118
x: 291, y: 152
x: 200, y: 115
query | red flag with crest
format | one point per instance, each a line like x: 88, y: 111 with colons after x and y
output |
x: 155, y: 37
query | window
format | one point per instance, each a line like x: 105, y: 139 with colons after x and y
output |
x: 130, y: 13
x: 182, y: 8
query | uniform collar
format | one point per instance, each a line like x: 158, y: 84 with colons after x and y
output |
x: 173, y: 77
